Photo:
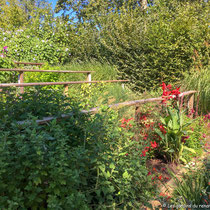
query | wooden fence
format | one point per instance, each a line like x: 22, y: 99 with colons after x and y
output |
x: 21, y: 83
x: 136, y: 104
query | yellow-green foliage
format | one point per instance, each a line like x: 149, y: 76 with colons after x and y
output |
x: 199, y: 80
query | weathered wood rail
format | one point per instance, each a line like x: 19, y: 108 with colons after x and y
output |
x: 21, y: 77
x: 28, y: 63
x: 21, y: 83
x: 135, y: 103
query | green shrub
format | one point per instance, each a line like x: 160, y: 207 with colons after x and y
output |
x: 81, y: 162
x: 159, y: 45
x: 5, y: 76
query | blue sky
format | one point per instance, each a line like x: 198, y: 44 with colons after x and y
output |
x: 53, y: 3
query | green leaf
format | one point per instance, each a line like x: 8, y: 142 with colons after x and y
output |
x: 126, y: 175
x: 183, y: 160
x: 112, y: 166
x: 189, y: 149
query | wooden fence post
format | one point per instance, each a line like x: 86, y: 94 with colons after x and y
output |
x: 66, y: 89
x: 89, y: 77
x: 137, y: 111
x: 21, y: 80
x: 191, y: 105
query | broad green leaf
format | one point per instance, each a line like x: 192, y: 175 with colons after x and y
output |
x: 126, y: 175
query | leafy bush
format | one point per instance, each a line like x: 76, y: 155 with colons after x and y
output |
x: 45, y: 43
x: 82, y: 162
x: 38, y: 102
x: 159, y: 45
x: 5, y: 76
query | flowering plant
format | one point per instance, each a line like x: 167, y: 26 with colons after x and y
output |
x: 172, y: 129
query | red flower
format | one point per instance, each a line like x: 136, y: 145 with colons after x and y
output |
x: 183, y: 138
x: 153, y: 145
x: 163, y: 86
x: 160, y: 177
x: 125, y: 123
x: 162, y: 194
x: 143, y: 117
x: 145, y: 137
x: 162, y: 129
x: 149, y: 173
x: 176, y: 92
x: 143, y: 153
x: 146, y: 149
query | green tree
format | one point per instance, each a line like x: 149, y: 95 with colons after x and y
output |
x: 15, y: 14
x: 84, y: 10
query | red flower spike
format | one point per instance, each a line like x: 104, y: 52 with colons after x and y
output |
x: 153, y: 145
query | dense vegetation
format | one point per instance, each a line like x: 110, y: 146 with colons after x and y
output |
x: 101, y: 161
x: 147, y: 44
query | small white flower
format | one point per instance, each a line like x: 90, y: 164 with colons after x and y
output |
x: 15, y: 50
x: 67, y: 49
x: 42, y: 40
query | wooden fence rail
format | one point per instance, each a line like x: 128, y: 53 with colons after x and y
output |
x: 21, y: 83
x: 135, y: 103
x: 28, y: 63
x: 21, y: 77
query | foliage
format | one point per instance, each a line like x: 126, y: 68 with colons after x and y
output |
x: 15, y: 14
x: 43, y: 46
x: 197, y: 138
x: 81, y: 162
x: 172, y: 136
x: 199, y: 80
x: 91, y: 10
x: 6, y: 63
x: 159, y: 45
x: 192, y: 189
x: 169, y: 131
x: 49, y: 103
